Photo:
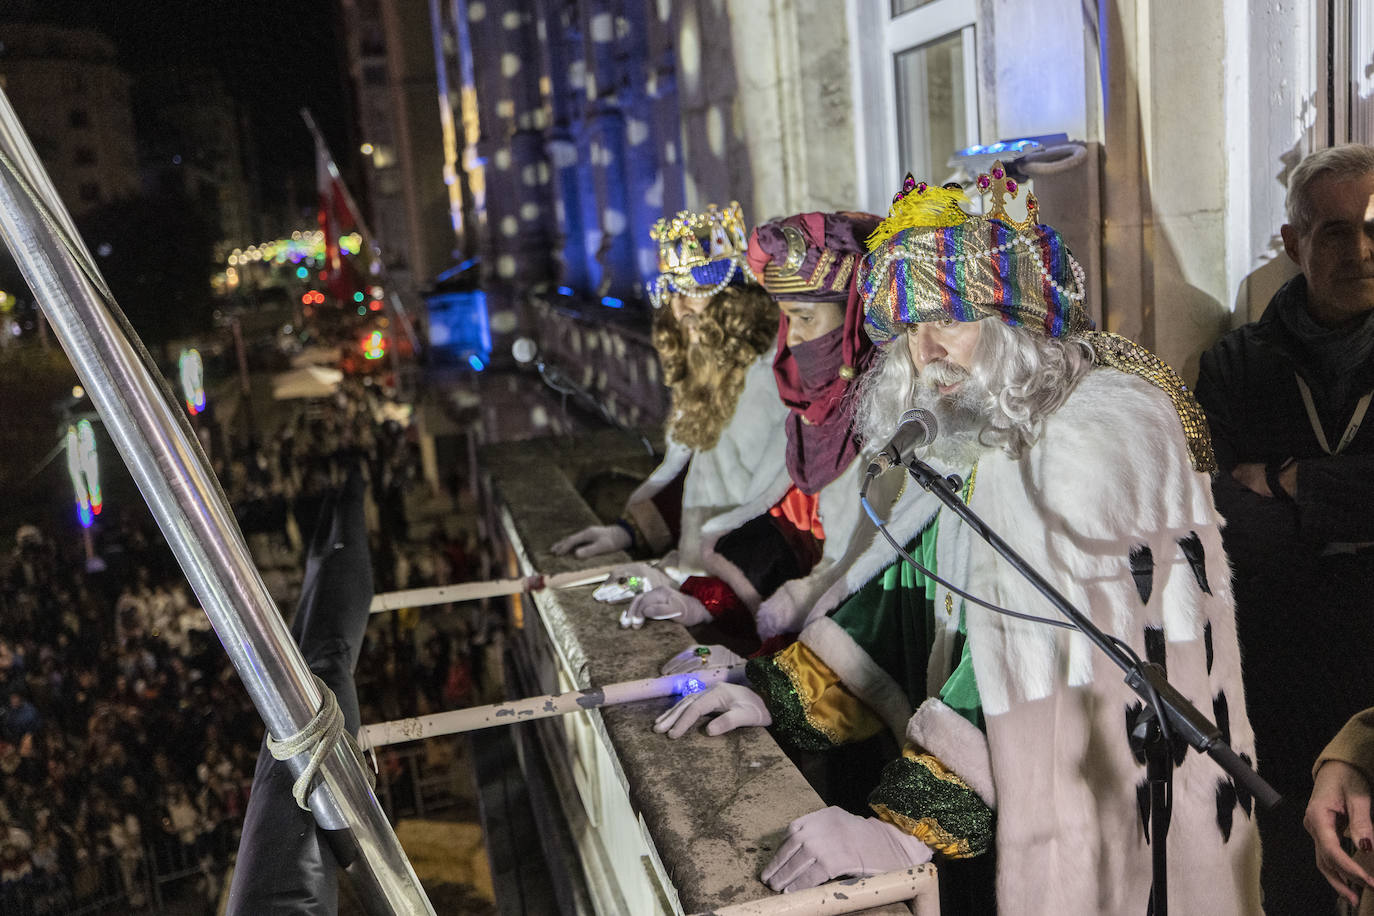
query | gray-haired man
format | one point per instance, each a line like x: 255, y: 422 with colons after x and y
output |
x: 1286, y: 397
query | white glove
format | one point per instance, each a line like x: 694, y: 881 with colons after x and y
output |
x: 624, y: 582
x: 664, y: 604
x: 833, y: 843
x: 593, y: 540
x: 698, y: 657
x: 739, y: 705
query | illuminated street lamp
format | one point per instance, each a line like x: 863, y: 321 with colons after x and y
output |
x: 192, y: 380
x: 374, y: 346
x: 85, y: 471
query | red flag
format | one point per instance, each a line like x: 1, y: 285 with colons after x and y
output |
x: 336, y: 219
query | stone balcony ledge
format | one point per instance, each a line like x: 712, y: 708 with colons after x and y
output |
x: 666, y: 826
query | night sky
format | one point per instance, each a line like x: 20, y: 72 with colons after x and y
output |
x: 274, y: 58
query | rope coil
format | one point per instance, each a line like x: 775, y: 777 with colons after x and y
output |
x: 318, y: 737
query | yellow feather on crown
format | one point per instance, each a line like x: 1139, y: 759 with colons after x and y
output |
x: 918, y: 205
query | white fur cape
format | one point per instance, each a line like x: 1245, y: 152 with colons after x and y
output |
x: 1108, y: 484
x: 748, y: 459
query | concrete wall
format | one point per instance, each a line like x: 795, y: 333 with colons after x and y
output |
x: 1271, y: 124
x: 1208, y: 109
x: 794, y: 105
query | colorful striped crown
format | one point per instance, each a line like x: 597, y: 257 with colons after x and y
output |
x: 931, y: 260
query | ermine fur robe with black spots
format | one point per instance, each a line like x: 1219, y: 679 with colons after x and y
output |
x: 1107, y: 506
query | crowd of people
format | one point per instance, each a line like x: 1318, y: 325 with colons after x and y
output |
x: 127, y: 742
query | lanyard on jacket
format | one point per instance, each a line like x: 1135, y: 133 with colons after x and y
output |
x: 1351, y: 428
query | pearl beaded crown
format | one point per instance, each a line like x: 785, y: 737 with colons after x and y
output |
x: 699, y: 254
x: 931, y: 260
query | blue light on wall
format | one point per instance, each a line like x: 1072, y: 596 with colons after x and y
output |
x: 565, y: 291
x: 977, y: 157
x: 459, y: 331
x: 612, y: 303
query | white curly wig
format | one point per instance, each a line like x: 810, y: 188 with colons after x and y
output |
x: 1019, y: 377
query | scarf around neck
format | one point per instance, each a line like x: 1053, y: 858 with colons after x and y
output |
x: 820, y: 435
x: 1338, y: 357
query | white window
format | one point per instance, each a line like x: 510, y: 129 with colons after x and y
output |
x: 1346, y: 33
x: 916, y: 84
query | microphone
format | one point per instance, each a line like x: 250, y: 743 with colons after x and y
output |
x: 916, y: 429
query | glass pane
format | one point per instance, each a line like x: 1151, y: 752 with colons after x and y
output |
x: 931, y: 111
x: 1361, y: 73
x: 905, y: 6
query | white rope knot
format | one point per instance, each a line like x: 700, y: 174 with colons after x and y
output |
x: 318, y: 737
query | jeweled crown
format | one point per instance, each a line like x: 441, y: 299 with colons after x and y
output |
x: 932, y: 259
x: 919, y: 205
x: 694, y: 239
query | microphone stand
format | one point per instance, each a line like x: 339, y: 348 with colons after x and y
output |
x: 1166, y: 711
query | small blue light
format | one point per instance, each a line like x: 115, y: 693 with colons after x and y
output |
x: 83, y: 515
x: 611, y: 302
x: 690, y: 685
x: 565, y: 291
x: 997, y: 148
x: 476, y: 363
x: 1022, y: 144
x: 974, y: 150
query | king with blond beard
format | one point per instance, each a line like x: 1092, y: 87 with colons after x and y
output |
x: 715, y: 333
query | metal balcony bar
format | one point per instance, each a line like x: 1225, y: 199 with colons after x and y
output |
x: 165, y: 458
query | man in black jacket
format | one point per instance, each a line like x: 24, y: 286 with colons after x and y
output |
x: 1286, y: 397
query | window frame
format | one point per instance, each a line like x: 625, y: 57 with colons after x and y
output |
x: 1345, y: 46
x: 878, y: 38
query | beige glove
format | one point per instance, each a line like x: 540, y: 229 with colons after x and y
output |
x: 832, y: 843
x: 593, y: 540
x: 736, y: 705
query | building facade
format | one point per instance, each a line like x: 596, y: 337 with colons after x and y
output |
x: 391, y: 63
x: 200, y: 144
x: 74, y: 102
x: 582, y: 121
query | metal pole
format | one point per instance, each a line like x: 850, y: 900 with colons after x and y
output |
x: 166, y: 461
x: 494, y: 588
x: 513, y: 712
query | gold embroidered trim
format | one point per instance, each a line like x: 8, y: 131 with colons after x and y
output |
x: 841, y: 281
x: 778, y: 280
x: 778, y: 283
x: 928, y: 831
x: 936, y: 767
x: 969, y: 484
x: 1130, y: 357
x: 785, y: 663
x: 823, y: 264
